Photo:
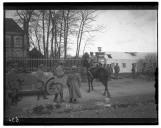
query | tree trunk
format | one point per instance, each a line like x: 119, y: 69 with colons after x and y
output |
x: 55, y: 37
x: 66, y: 27
x: 78, y: 38
x: 47, y: 42
x: 38, y: 41
x: 60, y: 40
x: 25, y: 27
x: 43, y: 28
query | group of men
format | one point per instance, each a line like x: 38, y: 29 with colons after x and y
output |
x: 73, y: 83
x: 112, y: 68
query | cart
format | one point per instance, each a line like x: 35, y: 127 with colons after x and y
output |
x: 48, y: 85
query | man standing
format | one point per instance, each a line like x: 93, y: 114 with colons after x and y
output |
x: 117, y: 70
x: 133, y: 70
x: 12, y: 85
x: 91, y: 59
x: 74, y: 83
x: 60, y: 70
x: 59, y: 77
x: 41, y: 80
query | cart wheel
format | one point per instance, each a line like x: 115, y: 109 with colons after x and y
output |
x: 53, y: 87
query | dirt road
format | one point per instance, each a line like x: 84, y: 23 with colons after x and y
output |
x: 131, y: 98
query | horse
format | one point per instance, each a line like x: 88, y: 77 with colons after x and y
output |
x: 97, y: 72
x: 102, y: 75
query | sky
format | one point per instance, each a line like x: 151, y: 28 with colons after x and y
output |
x: 124, y: 31
x: 127, y: 31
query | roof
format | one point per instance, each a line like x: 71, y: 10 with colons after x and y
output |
x: 126, y: 55
x: 12, y: 26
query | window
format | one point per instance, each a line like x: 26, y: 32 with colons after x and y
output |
x: 18, y: 41
x: 124, y: 65
x: 18, y: 52
x: 8, y: 41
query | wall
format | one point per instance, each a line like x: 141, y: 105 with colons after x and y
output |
x: 128, y: 62
x: 13, y: 51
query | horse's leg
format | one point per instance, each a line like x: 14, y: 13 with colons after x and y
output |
x: 92, y: 84
x: 104, y: 83
x: 106, y: 89
x: 89, y: 84
x: 108, y: 93
x: 61, y: 95
x: 104, y: 94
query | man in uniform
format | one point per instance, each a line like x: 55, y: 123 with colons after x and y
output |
x: 91, y: 59
x: 60, y: 70
x: 41, y: 80
x: 60, y: 74
x: 117, y: 70
x: 133, y: 70
x: 12, y: 85
x: 74, y: 83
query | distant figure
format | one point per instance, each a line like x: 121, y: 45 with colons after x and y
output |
x: 91, y: 59
x: 40, y: 78
x: 156, y: 88
x: 133, y: 70
x: 12, y: 85
x: 60, y: 70
x: 111, y: 69
x: 108, y: 68
x: 99, y: 65
x: 74, y: 83
x: 117, y: 70
x: 104, y: 65
x: 143, y: 68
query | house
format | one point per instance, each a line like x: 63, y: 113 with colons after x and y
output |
x: 124, y: 60
x: 15, y: 40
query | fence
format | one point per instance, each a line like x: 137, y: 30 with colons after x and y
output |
x: 29, y: 64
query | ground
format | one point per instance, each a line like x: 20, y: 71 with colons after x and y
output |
x: 130, y: 98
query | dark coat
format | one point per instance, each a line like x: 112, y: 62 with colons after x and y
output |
x: 117, y: 69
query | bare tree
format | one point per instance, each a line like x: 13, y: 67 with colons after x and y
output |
x: 148, y: 64
x: 86, y: 18
x: 53, y: 30
x: 48, y: 32
x: 41, y: 31
x: 89, y: 39
x: 25, y: 18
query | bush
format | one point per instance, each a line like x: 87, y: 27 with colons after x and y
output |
x: 147, y: 65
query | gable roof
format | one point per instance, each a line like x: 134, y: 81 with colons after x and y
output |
x: 126, y: 55
x: 12, y: 26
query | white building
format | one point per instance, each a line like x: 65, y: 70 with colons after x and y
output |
x: 125, y: 60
